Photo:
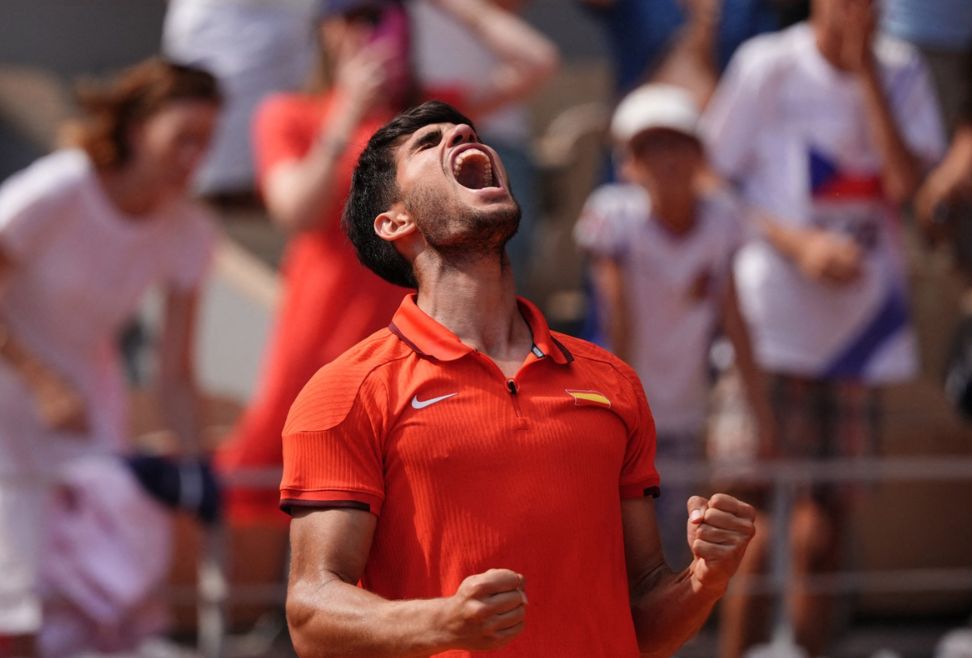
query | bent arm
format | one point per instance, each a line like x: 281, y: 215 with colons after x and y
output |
x: 301, y: 192
x: 526, y: 57
x: 298, y: 192
x: 901, y: 173
x: 329, y: 615
x: 177, y: 388
x: 59, y: 403
x: 669, y: 608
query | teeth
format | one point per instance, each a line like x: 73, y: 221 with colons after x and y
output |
x: 485, y: 168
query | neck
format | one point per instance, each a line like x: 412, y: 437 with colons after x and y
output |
x: 128, y: 192
x: 674, y: 210
x: 476, y: 300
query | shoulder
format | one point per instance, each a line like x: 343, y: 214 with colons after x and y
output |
x: 766, y: 54
x: 286, y: 107
x: 55, y: 175
x: 327, y: 399
x: 721, y: 207
x: 42, y: 195
x: 899, y: 60
x: 619, y: 195
x: 893, y: 52
x: 619, y: 204
x: 588, y: 355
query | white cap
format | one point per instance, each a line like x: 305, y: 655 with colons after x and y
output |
x: 655, y: 106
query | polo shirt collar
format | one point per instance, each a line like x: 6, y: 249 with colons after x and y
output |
x: 427, y: 337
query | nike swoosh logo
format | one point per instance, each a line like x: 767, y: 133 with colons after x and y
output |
x: 422, y: 404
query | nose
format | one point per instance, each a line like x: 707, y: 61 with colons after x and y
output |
x: 461, y: 133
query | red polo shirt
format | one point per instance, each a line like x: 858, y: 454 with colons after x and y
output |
x: 469, y: 470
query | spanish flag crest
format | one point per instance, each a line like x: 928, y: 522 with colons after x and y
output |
x: 588, y: 398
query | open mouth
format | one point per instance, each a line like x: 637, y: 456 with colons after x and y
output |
x: 474, y: 170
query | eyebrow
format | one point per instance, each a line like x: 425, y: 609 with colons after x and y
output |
x: 430, y: 138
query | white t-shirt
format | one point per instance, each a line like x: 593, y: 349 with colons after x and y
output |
x: 675, y: 287
x: 80, y: 269
x: 255, y: 48
x: 792, y: 131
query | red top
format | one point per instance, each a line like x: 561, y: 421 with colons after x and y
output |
x: 467, y: 470
x: 330, y: 301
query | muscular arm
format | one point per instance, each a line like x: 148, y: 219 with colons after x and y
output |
x: 330, y: 616
x: 669, y: 608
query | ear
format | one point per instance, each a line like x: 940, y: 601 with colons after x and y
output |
x: 395, y: 223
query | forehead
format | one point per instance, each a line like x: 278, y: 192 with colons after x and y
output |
x: 424, y: 131
x: 408, y: 144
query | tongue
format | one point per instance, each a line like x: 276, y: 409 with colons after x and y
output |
x: 475, y: 171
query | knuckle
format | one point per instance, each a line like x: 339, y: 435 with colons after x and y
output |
x: 474, y: 611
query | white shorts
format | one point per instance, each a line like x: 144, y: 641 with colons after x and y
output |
x: 23, y: 507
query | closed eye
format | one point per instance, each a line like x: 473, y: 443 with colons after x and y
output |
x: 428, y: 140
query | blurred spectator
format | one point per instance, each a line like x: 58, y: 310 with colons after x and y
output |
x: 448, y: 54
x: 661, y: 251
x: 828, y: 130
x: 942, y: 31
x: 307, y: 145
x: 640, y: 32
x: 947, y: 191
x: 254, y: 49
x: 83, y: 233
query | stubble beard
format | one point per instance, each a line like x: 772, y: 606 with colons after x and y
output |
x: 461, y: 234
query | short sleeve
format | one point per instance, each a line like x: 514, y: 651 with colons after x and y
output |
x: 639, y: 477
x: 332, y: 454
x: 192, y: 249
x: 29, y: 210
x: 600, y: 231
x: 731, y: 217
x: 735, y: 114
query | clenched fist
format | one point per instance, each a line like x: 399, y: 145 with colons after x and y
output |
x: 719, y: 529
x: 487, y: 610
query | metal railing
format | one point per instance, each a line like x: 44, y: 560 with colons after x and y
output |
x: 782, y: 476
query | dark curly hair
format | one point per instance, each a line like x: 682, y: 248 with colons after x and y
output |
x: 110, y: 109
x: 374, y: 190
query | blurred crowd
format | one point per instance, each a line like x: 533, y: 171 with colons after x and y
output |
x: 764, y: 165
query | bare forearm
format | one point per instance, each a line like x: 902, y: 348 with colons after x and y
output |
x: 754, y: 382
x: 526, y: 57
x: 178, y: 392
x: 179, y: 402
x: 299, y: 193
x: 785, y: 239
x: 340, y: 619
x: 669, y: 611
x: 901, y: 172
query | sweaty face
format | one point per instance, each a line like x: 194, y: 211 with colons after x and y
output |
x: 456, y: 189
x: 170, y: 144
